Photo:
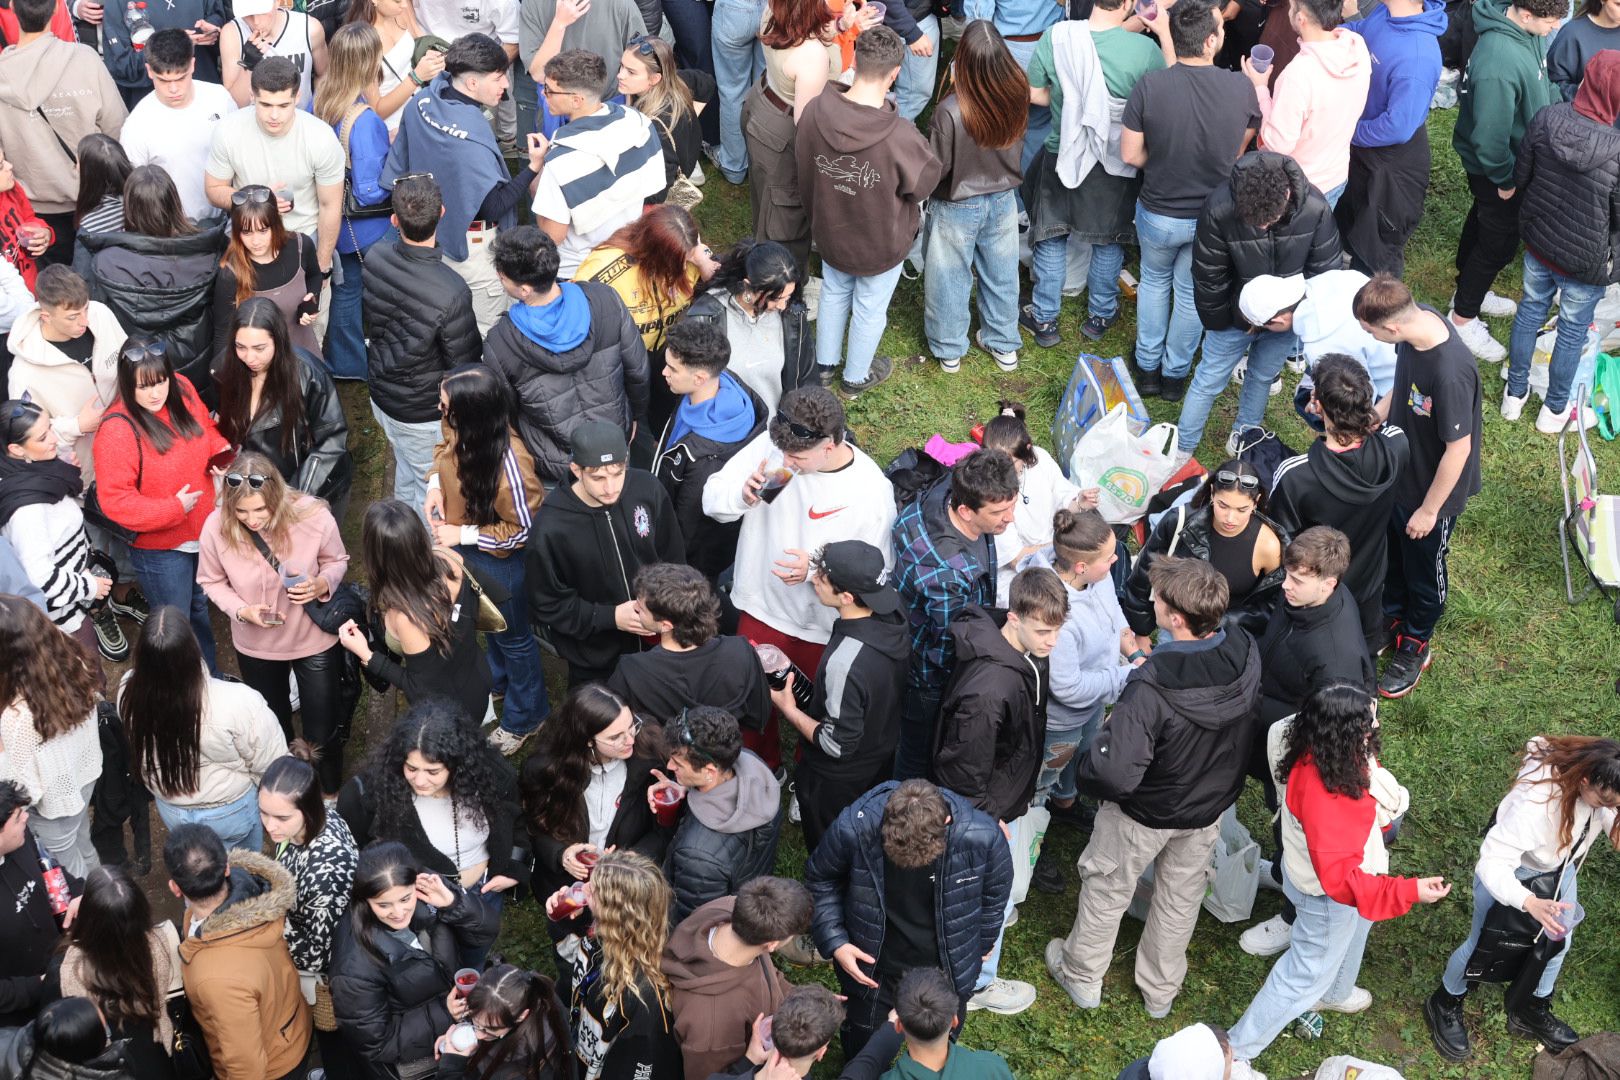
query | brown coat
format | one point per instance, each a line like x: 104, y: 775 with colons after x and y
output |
x: 511, y: 532
x: 241, y: 981
x: 715, y: 1003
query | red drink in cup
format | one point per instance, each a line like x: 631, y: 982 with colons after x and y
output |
x: 667, y: 803
x: 1148, y: 9
x: 570, y: 903
x: 466, y: 979
x: 588, y: 858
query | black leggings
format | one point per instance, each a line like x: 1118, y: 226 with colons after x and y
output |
x: 319, y: 697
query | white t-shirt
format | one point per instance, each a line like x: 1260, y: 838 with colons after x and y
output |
x: 461, y: 841
x: 308, y: 155
x: 177, y: 140
x: 451, y: 19
x: 550, y: 203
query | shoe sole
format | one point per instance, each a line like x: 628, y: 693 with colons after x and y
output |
x: 515, y: 747
x: 1323, y: 1006
x: 997, y: 1010
x: 128, y: 612
x: 1279, y: 950
x: 1073, y: 995
x: 1439, y: 1047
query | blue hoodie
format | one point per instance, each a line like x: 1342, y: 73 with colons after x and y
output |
x: 727, y: 417
x: 558, y: 326
x: 1406, y: 69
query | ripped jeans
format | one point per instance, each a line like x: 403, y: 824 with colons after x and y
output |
x: 1060, y: 759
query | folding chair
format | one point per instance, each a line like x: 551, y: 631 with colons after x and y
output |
x: 1591, y: 521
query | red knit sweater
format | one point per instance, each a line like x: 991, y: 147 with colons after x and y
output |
x: 15, y: 212
x: 1336, y: 831
x: 150, y: 508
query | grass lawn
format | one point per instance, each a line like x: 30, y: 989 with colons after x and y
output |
x: 1512, y: 659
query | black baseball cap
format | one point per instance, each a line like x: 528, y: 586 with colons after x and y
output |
x: 598, y: 443
x: 854, y: 566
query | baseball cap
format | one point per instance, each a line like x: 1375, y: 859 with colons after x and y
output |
x: 244, y: 8
x: 1193, y: 1053
x: 854, y: 566
x: 598, y: 443
x: 1265, y: 296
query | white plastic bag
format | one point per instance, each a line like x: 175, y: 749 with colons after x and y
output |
x: 1541, y: 360
x: 1353, y: 1068
x: 1127, y: 471
x: 1236, y: 877
x: 1027, y: 834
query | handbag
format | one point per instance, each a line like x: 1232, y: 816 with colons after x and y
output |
x: 347, y: 601
x: 490, y: 619
x: 1510, y: 936
x: 189, y: 1051
x: 682, y: 192
x: 353, y: 208
x: 93, y: 513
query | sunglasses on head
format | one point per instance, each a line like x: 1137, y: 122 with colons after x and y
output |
x: 254, y: 481
x: 136, y: 354
x: 799, y: 430
x: 413, y: 176
x: 643, y: 44
x: 1230, y: 480
x: 254, y: 194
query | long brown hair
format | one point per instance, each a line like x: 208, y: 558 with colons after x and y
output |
x: 162, y: 703
x: 249, y: 217
x: 406, y: 573
x: 283, y: 388
x: 991, y: 89
x: 44, y: 669
x: 658, y: 243
x: 353, y: 64
x: 1571, y: 760
x: 669, y: 99
x: 794, y: 22
x: 110, y: 931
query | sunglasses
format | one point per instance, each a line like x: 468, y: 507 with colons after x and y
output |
x: 643, y: 44
x: 254, y: 481
x: 253, y: 194
x: 137, y: 354
x: 800, y: 430
x: 412, y: 176
x: 1230, y: 481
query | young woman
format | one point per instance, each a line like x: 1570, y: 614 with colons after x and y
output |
x: 103, y: 170
x: 48, y: 738
x: 1225, y: 526
x: 428, y: 605
x: 153, y: 451
x: 67, y: 1041
x: 41, y: 517
x: 755, y: 297
x: 343, y: 100
x: 673, y: 100
x: 317, y: 849
x: 1596, y: 27
x: 522, y: 1034
x: 1562, y: 802
x: 395, y: 958
x: 118, y: 959
x: 1336, y: 869
x: 620, y: 999
x: 199, y: 744
x: 482, y: 498
x: 1043, y: 490
x: 977, y: 133
x: 397, y: 31
x: 436, y: 785
x: 264, y: 259
x: 271, y: 630
x: 281, y: 31
x: 277, y: 400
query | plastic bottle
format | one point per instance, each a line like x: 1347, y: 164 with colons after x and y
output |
x: 777, y: 666
x: 56, y: 885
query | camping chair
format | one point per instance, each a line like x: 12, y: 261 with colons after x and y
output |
x: 1591, y: 521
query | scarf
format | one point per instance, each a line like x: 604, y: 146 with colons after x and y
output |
x: 25, y: 483
x: 1599, y: 96
x: 558, y: 326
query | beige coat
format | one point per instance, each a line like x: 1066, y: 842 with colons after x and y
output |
x: 54, y: 92
x: 161, y: 941
x: 240, y: 738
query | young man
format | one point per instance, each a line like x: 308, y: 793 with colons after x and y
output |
x: 1168, y: 762
x: 863, y: 175
x: 718, y: 962
x: 32, y: 933
x: 588, y: 541
x: 238, y: 976
x: 896, y: 860
x: 173, y: 126
x: 52, y: 94
x: 717, y: 415
x: 569, y: 350
x: 199, y: 21
x: 547, y: 28
x: 1504, y: 85
x: 802, y: 1027
x: 1437, y: 403
x: 419, y: 325
x: 601, y: 166
x: 692, y: 664
x: 1389, y: 153
x: 834, y: 491
x: 1183, y: 126
x: 927, y: 1014
x: 1267, y: 220
x: 944, y: 561
x: 444, y: 132
x: 848, y: 735
x: 733, y: 810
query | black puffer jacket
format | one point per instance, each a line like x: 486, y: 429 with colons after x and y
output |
x: 164, y: 288
x: 1569, y: 171
x: 727, y: 836
x: 683, y: 467
x: 798, y: 337
x: 1307, y: 648
x: 319, y: 463
x: 1249, y: 612
x: 602, y: 378
x: 845, y: 877
x: 419, y: 325
x: 21, y: 1062
x: 392, y: 1012
x: 1227, y: 253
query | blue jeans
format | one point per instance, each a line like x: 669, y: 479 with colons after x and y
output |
x: 1321, y: 964
x: 739, y: 60
x: 915, y: 86
x: 1102, y: 280
x: 1061, y: 758
x: 689, y: 21
x: 861, y: 304
x: 919, y: 719
x: 1165, y: 336
x: 1453, y: 980
x: 169, y: 578
x: 987, y: 973
x: 345, y: 339
x: 976, y: 235
x: 1048, y: 265
x: 1334, y: 195
x: 1268, y: 351
x: 413, y: 456
x: 236, y: 823
x: 514, y: 658
x: 1575, y: 306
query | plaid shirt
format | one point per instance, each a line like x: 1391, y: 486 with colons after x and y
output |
x: 938, y: 573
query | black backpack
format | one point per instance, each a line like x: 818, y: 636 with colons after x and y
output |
x: 912, y: 472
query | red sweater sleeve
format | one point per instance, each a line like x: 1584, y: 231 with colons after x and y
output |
x: 118, y: 460
x: 1336, y: 831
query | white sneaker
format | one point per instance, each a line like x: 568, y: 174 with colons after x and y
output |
x: 1498, y: 307
x: 1266, y: 880
x: 1006, y: 361
x: 1005, y: 996
x: 1477, y: 336
x: 1181, y: 458
x: 506, y: 742
x: 1359, y: 1001
x: 794, y: 815
x: 951, y: 366
x: 1513, y: 406
x: 1240, y: 372
x: 1551, y: 423
x: 1268, y: 938
x: 812, y: 298
x: 1242, y: 1070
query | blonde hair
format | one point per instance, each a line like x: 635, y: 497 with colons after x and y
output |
x: 353, y: 64
x: 287, y: 505
x: 631, y: 900
x: 669, y: 99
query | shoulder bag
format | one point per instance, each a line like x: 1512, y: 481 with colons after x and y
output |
x: 348, y: 601
x: 352, y: 208
x: 682, y: 192
x: 93, y: 513
x: 1510, y: 936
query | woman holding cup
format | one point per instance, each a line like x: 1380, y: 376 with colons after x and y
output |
x: 515, y: 1030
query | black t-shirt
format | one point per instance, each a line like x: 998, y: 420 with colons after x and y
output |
x: 910, y: 937
x: 1436, y: 402
x: 77, y: 349
x: 1194, y: 119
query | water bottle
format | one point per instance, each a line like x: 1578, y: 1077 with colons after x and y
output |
x: 777, y: 668
x: 140, y: 28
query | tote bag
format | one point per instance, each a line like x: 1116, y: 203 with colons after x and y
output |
x: 1127, y: 470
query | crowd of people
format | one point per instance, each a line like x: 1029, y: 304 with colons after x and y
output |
x: 615, y: 444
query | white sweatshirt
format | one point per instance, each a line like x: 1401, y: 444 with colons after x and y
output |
x: 1526, y: 834
x: 1043, y: 490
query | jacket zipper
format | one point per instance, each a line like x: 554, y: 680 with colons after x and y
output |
x: 624, y: 576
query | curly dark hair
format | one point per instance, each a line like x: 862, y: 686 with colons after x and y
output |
x: 436, y: 729
x: 1334, y: 729
x: 812, y: 408
x: 1345, y: 393
x: 1261, y: 190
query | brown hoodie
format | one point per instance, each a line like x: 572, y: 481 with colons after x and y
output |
x: 715, y: 1003
x: 52, y: 93
x: 863, y: 176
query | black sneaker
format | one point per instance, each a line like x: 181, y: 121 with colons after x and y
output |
x: 1048, y: 875
x: 826, y: 375
x: 1096, y: 326
x: 132, y: 606
x: 1444, y: 1014
x: 1174, y: 387
x: 882, y: 368
x: 1147, y: 383
x: 1385, y: 639
x: 1412, y: 658
x: 110, y: 637
x: 1535, y: 1020
x: 1046, y: 333
x: 1082, y: 815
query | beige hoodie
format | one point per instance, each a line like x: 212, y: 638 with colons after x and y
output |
x: 49, y: 90
x: 59, y: 384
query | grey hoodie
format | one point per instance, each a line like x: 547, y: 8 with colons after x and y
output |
x: 54, y: 92
x: 747, y: 801
x: 1087, y: 669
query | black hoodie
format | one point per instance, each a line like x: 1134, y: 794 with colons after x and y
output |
x: 863, y: 668
x: 1351, y: 490
x: 1307, y: 648
x: 992, y: 720
x: 582, y: 562
x: 29, y: 933
x: 1174, y: 751
x: 722, y: 672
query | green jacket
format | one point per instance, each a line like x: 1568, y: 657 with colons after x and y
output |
x: 1505, y: 85
x: 960, y: 1064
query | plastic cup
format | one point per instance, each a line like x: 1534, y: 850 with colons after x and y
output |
x: 466, y: 979
x: 766, y: 1043
x: 464, y: 1038
x: 775, y: 481
x: 1260, y: 58
x: 588, y: 859
x: 571, y: 902
x: 667, y: 804
x: 1569, y: 918
x: 1148, y: 9
x: 880, y: 8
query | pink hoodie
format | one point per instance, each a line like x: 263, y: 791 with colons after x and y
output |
x: 1312, y: 112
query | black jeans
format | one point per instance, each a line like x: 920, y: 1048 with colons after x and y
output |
x: 823, y: 798
x: 319, y: 703
x: 1489, y: 240
x: 919, y: 727
x: 1415, y: 587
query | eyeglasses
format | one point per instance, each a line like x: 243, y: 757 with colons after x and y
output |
x: 800, y: 430
x: 255, y: 194
x: 1230, y: 480
x: 254, y: 481
x: 553, y: 91
x: 138, y: 353
x: 636, y: 724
